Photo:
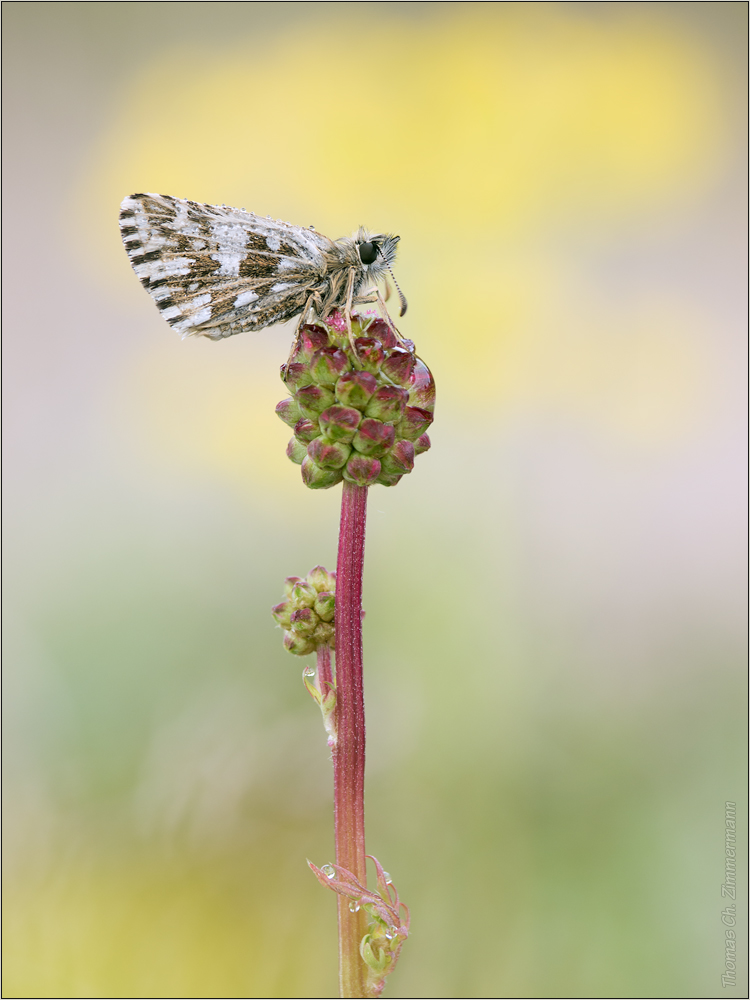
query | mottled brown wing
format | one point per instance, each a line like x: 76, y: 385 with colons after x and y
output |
x: 216, y: 271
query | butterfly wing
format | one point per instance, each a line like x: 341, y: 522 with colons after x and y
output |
x: 216, y: 271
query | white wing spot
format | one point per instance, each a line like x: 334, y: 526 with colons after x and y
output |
x: 197, y: 315
x: 245, y: 297
x: 230, y: 264
x: 195, y: 318
x: 232, y: 242
x: 157, y: 269
x: 202, y: 317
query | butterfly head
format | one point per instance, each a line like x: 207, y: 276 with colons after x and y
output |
x: 377, y: 251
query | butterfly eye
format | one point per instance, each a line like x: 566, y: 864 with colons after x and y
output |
x: 368, y: 252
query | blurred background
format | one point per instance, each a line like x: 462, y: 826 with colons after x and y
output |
x: 555, y: 597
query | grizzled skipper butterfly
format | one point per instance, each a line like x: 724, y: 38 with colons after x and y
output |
x: 214, y: 271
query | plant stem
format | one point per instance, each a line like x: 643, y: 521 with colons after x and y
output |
x: 325, y: 675
x: 349, y: 752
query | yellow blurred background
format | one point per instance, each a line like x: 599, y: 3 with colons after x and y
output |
x: 555, y: 597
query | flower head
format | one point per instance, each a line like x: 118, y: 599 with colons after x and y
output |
x: 359, y: 407
x: 307, y: 612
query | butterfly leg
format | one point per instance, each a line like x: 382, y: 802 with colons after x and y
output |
x: 375, y: 296
x: 313, y: 301
x: 349, y: 302
x: 386, y: 317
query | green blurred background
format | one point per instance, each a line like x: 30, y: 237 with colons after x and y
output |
x: 555, y: 598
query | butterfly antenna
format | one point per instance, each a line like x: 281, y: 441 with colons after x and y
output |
x: 401, y: 296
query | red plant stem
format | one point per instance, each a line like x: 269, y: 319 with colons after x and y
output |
x: 325, y: 675
x: 349, y: 752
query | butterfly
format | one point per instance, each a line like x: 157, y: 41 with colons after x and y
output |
x: 215, y: 271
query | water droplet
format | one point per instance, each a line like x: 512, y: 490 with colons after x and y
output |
x: 310, y: 671
x: 389, y: 935
x: 328, y: 870
x: 354, y: 906
x: 388, y: 879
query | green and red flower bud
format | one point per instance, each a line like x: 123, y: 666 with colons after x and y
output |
x: 399, y: 460
x: 295, y: 375
x: 370, y: 354
x: 414, y: 423
x: 327, y: 364
x: 283, y: 613
x: 289, y: 411
x: 380, y: 330
x: 324, y: 634
x: 362, y: 470
x: 304, y: 621
x: 296, y: 451
x: 422, y: 444
x: 322, y: 580
x: 328, y: 454
x: 374, y: 438
x: 422, y: 387
x: 398, y: 366
x: 339, y: 423
x: 312, y: 337
x: 303, y: 594
x: 355, y: 389
x: 325, y: 606
x: 300, y: 645
x: 306, y: 430
x: 316, y: 478
x: 387, y: 403
x: 313, y: 399
x: 386, y: 479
